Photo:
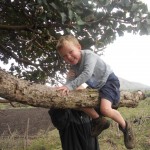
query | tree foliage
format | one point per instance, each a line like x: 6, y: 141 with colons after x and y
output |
x: 29, y: 30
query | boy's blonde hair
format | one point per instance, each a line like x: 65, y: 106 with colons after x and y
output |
x: 63, y: 39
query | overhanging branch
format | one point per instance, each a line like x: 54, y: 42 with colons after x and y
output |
x: 16, y: 27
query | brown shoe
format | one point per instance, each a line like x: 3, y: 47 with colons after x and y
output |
x: 129, y: 138
x: 98, y: 125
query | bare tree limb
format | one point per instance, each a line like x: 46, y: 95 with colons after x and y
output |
x: 4, y: 101
x: 25, y: 92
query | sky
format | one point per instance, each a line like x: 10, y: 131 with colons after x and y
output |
x: 129, y: 56
x: 147, y: 2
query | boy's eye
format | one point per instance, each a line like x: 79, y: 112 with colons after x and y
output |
x: 65, y: 56
x: 70, y: 51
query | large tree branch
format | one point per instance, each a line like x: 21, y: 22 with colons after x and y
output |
x: 4, y: 101
x: 38, y: 95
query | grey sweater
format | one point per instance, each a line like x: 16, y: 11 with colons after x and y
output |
x: 91, y: 70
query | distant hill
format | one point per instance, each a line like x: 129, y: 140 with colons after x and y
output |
x: 128, y: 85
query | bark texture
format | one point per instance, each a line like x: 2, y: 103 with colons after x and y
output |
x: 25, y: 92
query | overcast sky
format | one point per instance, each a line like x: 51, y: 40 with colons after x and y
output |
x: 147, y: 2
x: 129, y: 57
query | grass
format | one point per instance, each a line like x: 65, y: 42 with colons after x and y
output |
x: 10, y: 142
x: 110, y: 139
x: 43, y: 141
x: 48, y: 141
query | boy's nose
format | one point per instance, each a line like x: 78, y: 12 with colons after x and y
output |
x: 69, y: 56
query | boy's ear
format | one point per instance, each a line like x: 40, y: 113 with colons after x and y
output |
x: 79, y: 47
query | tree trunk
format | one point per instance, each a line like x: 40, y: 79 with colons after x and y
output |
x: 25, y: 92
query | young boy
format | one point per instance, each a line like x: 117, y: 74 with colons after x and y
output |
x: 89, y: 68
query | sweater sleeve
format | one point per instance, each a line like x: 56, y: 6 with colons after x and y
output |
x: 88, y: 65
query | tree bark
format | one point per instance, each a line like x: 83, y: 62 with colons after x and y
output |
x: 25, y: 92
x: 4, y: 101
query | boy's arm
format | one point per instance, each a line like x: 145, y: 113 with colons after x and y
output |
x: 70, y: 76
x: 88, y: 69
x: 81, y: 87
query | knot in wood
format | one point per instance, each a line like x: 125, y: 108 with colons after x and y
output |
x: 93, y: 95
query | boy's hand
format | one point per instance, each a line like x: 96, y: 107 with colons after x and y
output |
x: 64, y: 90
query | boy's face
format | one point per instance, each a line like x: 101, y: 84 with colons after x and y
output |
x: 70, y: 52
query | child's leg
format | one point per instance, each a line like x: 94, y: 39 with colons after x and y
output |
x: 106, y: 110
x: 110, y: 94
x: 91, y: 112
x: 99, y: 123
x: 124, y: 126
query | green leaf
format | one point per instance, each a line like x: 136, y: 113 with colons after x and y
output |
x: 120, y: 14
x: 39, y: 2
x: 129, y: 29
x: 63, y: 17
x: 148, y: 30
x: 122, y: 27
x: 70, y: 14
x: 127, y: 3
x: 120, y: 32
x: 45, y: 2
x: 79, y: 20
x: 53, y: 5
x: 105, y: 2
x: 136, y: 19
x: 134, y: 7
x: 148, y: 21
x: 114, y: 25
